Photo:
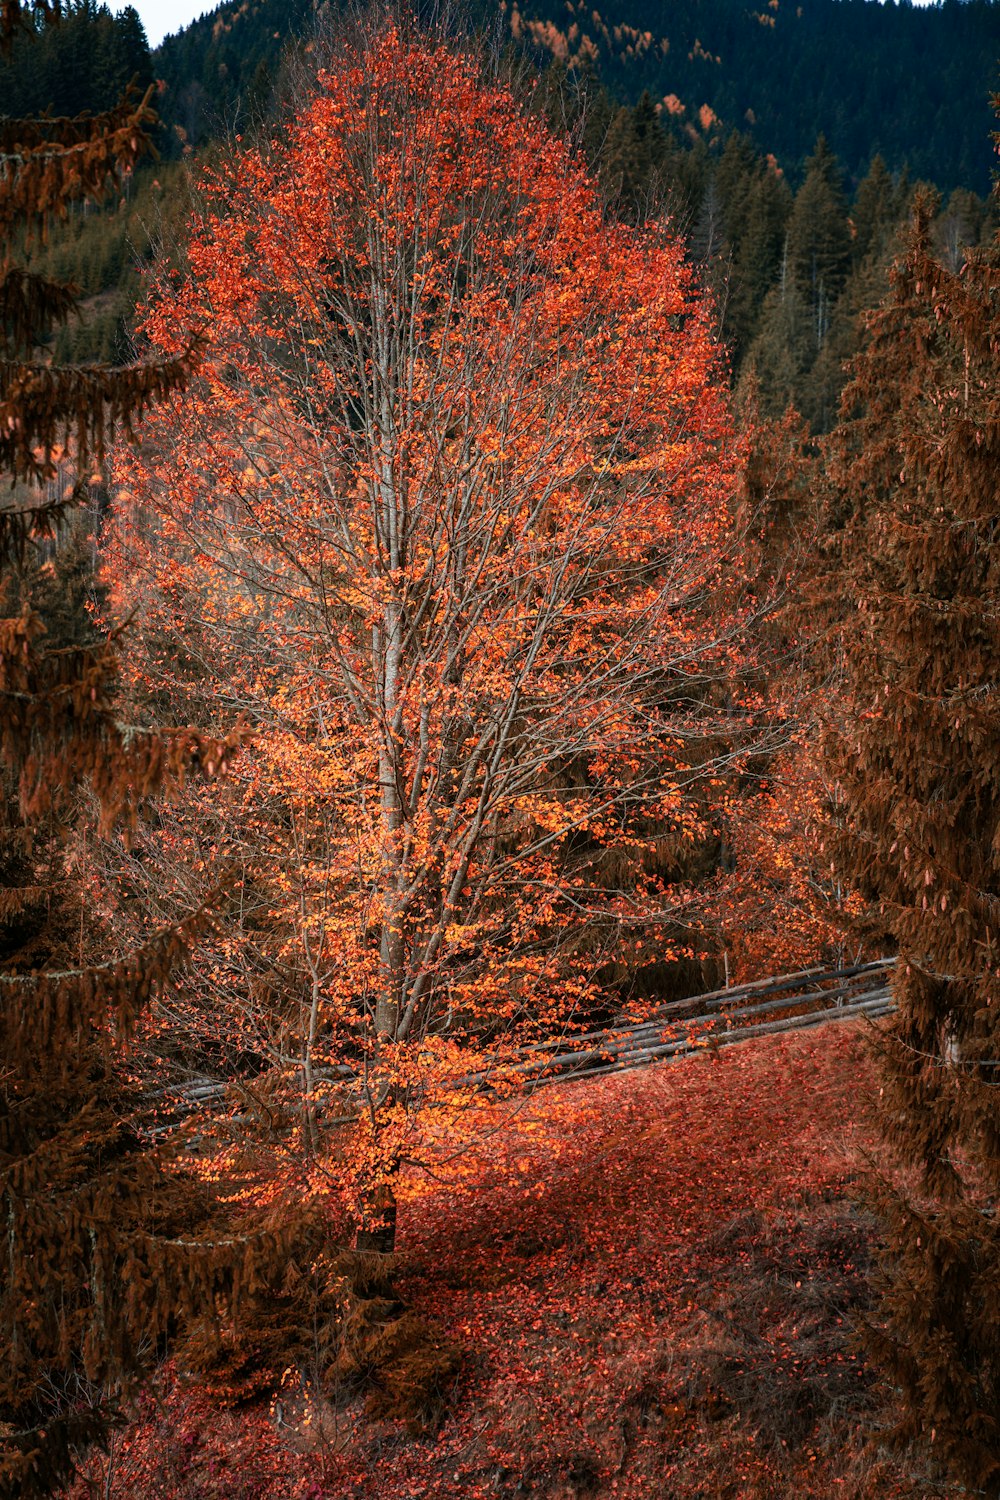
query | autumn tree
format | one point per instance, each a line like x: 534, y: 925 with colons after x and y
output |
x: 914, y: 749
x: 92, y: 1270
x: 449, y: 511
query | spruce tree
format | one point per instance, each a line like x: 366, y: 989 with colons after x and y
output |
x: 916, y: 751
x: 758, y: 253
x: 878, y: 206
x: 819, y: 237
x: 780, y: 356
x: 97, y: 1257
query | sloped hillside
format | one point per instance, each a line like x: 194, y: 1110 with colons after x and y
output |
x: 912, y: 83
x: 653, y: 1282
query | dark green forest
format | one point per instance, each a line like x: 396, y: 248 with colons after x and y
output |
x: 908, y: 83
x: 787, y: 164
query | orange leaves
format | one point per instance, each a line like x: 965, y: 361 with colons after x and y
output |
x: 781, y: 905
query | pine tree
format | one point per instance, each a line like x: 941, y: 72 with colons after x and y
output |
x: 781, y: 354
x: 864, y: 290
x: 628, y: 159
x: 819, y: 238
x: 915, y: 751
x: 97, y: 1256
x: 758, y: 246
x: 878, y: 206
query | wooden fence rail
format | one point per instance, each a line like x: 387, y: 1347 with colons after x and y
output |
x: 721, y: 1018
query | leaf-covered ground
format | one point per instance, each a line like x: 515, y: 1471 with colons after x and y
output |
x: 654, y: 1280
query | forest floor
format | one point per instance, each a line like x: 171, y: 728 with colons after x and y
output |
x: 655, y: 1281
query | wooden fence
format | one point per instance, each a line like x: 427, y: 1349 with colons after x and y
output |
x: 719, y: 1019
x: 810, y: 997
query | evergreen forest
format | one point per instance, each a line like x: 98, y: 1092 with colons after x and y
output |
x: 499, y: 786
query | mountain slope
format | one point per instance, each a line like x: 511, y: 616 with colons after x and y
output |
x: 911, y: 83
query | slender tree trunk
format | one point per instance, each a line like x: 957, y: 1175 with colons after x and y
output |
x: 377, y: 1230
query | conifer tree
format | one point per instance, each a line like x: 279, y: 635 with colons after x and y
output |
x: 916, y: 754
x: 779, y: 357
x: 878, y: 206
x: 96, y: 1255
x: 757, y: 232
x: 819, y: 240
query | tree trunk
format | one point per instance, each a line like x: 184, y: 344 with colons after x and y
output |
x: 377, y: 1230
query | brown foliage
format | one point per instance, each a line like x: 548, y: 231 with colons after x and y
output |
x: 403, y: 1364
x: 337, y: 1318
x: 107, y: 1244
x: 44, y: 409
x: 913, y: 744
x: 15, y: 15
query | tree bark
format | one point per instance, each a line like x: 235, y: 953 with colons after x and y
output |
x: 377, y: 1230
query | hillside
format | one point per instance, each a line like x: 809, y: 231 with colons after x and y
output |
x: 725, y: 134
x: 653, y: 1284
x: 910, y: 83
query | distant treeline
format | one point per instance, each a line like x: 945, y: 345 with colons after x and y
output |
x: 792, y: 270
x: 790, y: 217
x: 911, y: 84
